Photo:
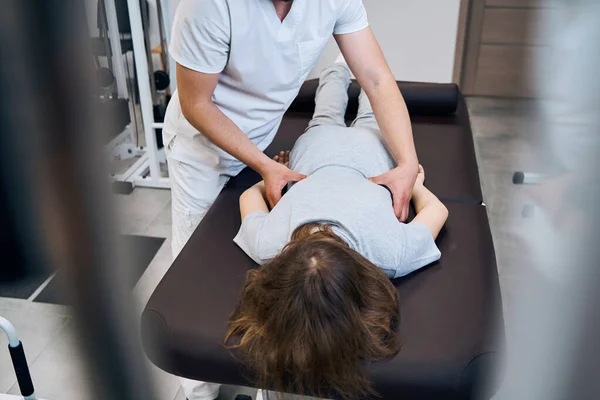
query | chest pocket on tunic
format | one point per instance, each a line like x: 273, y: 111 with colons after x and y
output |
x: 309, y: 52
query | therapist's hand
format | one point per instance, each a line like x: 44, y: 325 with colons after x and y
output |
x: 400, y: 181
x: 276, y: 176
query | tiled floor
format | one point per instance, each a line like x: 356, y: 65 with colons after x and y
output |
x: 505, y: 138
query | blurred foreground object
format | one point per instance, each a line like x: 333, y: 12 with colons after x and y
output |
x: 554, y: 349
x: 55, y: 188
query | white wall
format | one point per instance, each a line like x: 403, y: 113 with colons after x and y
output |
x: 418, y: 38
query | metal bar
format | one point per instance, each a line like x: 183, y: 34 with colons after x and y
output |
x: 167, y: 23
x: 11, y: 332
x: 142, y: 171
x: 131, y: 171
x: 162, y: 183
x: 103, y: 29
x: 141, y: 65
x: 117, y: 52
x: 158, y: 125
x: 124, y: 136
x: 145, y: 14
x: 161, y: 35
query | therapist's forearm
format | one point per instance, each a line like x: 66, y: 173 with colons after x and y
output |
x: 222, y: 131
x: 366, y: 60
x: 393, y: 119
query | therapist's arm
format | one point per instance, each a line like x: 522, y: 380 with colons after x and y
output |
x: 366, y: 60
x: 195, y: 95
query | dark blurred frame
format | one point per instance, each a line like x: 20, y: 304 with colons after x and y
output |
x: 54, y: 190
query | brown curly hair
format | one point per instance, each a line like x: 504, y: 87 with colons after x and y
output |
x: 309, y: 320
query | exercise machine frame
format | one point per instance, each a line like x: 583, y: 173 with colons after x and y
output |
x: 145, y: 172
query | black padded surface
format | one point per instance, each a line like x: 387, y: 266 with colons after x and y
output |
x: 446, y: 150
x: 427, y: 99
x: 449, y: 310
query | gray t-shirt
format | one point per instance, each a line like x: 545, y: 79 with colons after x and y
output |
x: 338, y: 161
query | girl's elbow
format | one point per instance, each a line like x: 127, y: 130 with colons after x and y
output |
x: 244, y: 196
x: 243, y: 199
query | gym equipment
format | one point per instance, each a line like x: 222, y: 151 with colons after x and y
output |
x: 451, y: 316
x: 161, y: 80
x: 112, y: 101
x: 121, y: 41
x: 105, y: 77
x: 17, y: 354
x: 152, y: 94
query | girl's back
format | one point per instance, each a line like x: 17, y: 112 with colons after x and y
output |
x: 338, y: 162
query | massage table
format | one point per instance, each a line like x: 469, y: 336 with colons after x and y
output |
x: 451, y: 322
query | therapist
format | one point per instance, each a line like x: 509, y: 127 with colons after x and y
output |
x: 240, y: 64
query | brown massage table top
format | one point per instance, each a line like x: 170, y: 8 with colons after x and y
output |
x: 451, y: 321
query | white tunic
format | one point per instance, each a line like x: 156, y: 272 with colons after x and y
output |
x: 262, y: 60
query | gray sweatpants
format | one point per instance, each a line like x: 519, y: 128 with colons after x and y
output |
x: 331, y: 100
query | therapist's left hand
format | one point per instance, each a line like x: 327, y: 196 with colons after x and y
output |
x: 276, y: 177
x: 400, y: 181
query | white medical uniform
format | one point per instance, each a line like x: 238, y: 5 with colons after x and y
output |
x: 263, y: 62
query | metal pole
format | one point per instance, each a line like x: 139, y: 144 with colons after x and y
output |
x: 103, y: 30
x: 161, y: 35
x: 117, y: 51
x: 17, y: 355
x: 11, y: 332
x: 141, y: 65
x: 167, y: 25
x: 145, y: 13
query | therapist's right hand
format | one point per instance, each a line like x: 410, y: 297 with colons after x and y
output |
x: 276, y: 176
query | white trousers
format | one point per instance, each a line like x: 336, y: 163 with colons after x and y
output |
x: 194, y: 188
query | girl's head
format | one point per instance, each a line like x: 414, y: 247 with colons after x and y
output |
x: 307, y: 320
